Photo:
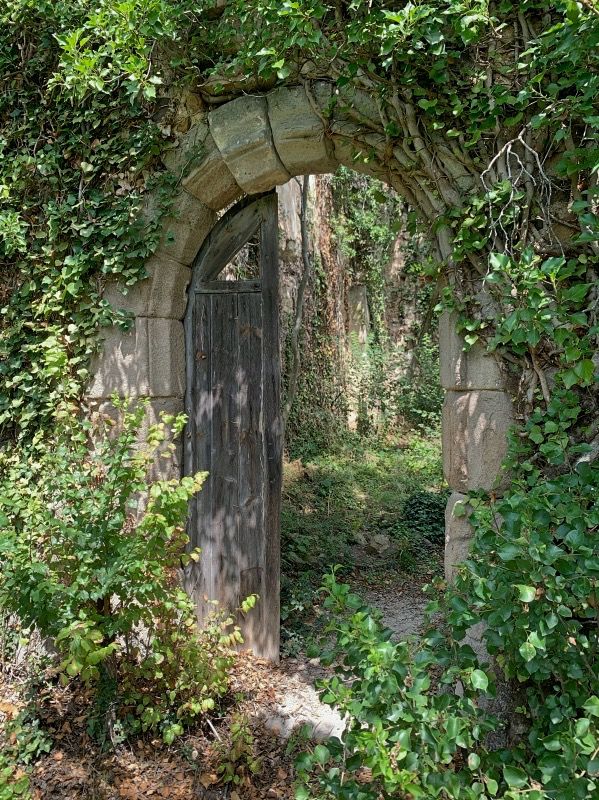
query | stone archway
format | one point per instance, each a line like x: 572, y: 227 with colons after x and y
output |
x: 247, y: 146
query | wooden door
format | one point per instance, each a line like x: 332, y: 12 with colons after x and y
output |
x: 234, y: 428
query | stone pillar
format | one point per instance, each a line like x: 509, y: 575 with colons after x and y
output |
x: 148, y: 360
x: 477, y: 414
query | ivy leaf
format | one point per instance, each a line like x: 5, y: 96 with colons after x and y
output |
x: 577, y: 293
x: 592, y: 706
x: 321, y: 754
x: 473, y: 761
x: 585, y: 370
x: 499, y: 261
x: 527, y: 651
x: 479, y: 680
x: 526, y: 594
x: 515, y: 777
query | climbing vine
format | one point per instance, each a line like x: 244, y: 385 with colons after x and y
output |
x: 79, y: 136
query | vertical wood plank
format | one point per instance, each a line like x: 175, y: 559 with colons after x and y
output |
x: 251, y: 463
x: 273, y: 437
x: 199, y: 433
x: 224, y: 478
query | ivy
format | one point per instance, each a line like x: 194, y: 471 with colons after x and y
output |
x: 78, y: 146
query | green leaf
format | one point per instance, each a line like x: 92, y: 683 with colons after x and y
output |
x: 526, y: 594
x: 592, y: 706
x: 515, y: 777
x: 473, y: 761
x: 577, y: 293
x: 479, y: 680
x: 585, y: 370
x: 552, y: 743
x: 499, y: 261
x: 527, y: 651
x: 321, y: 754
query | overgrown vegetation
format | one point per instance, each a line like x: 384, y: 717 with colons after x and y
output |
x: 89, y: 563
x: 486, y: 121
x: 484, y: 115
x: 392, y: 380
x: 78, y: 144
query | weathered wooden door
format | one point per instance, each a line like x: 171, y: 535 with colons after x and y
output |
x: 234, y: 428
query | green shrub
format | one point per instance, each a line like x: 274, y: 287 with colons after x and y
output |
x: 87, y: 564
x: 412, y: 734
x: 408, y: 734
x: 14, y: 782
x: 423, y: 514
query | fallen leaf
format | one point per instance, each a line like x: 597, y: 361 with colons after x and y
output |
x: 207, y: 779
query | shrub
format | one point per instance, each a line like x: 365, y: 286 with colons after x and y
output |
x: 90, y: 567
x: 423, y: 514
x: 408, y: 734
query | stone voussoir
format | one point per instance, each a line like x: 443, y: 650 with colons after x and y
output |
x: 183, y: 234
x: 298, y: 133
x: 242, y: 132
x: 211, y: 180
x: 162, y: 294
x: 465, y: 370
x: 190, y: 149
x: 475, y: 427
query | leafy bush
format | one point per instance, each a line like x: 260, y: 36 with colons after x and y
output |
x: 92, y: 565
x: 424, y: 514
x: 238, y: 759
x: 408, y: 734
x: 14, y: 782
x: 411, y: 733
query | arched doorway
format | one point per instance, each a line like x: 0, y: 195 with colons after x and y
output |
x: 247, y: 147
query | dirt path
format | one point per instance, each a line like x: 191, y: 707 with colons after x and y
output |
x: 402, y: 603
